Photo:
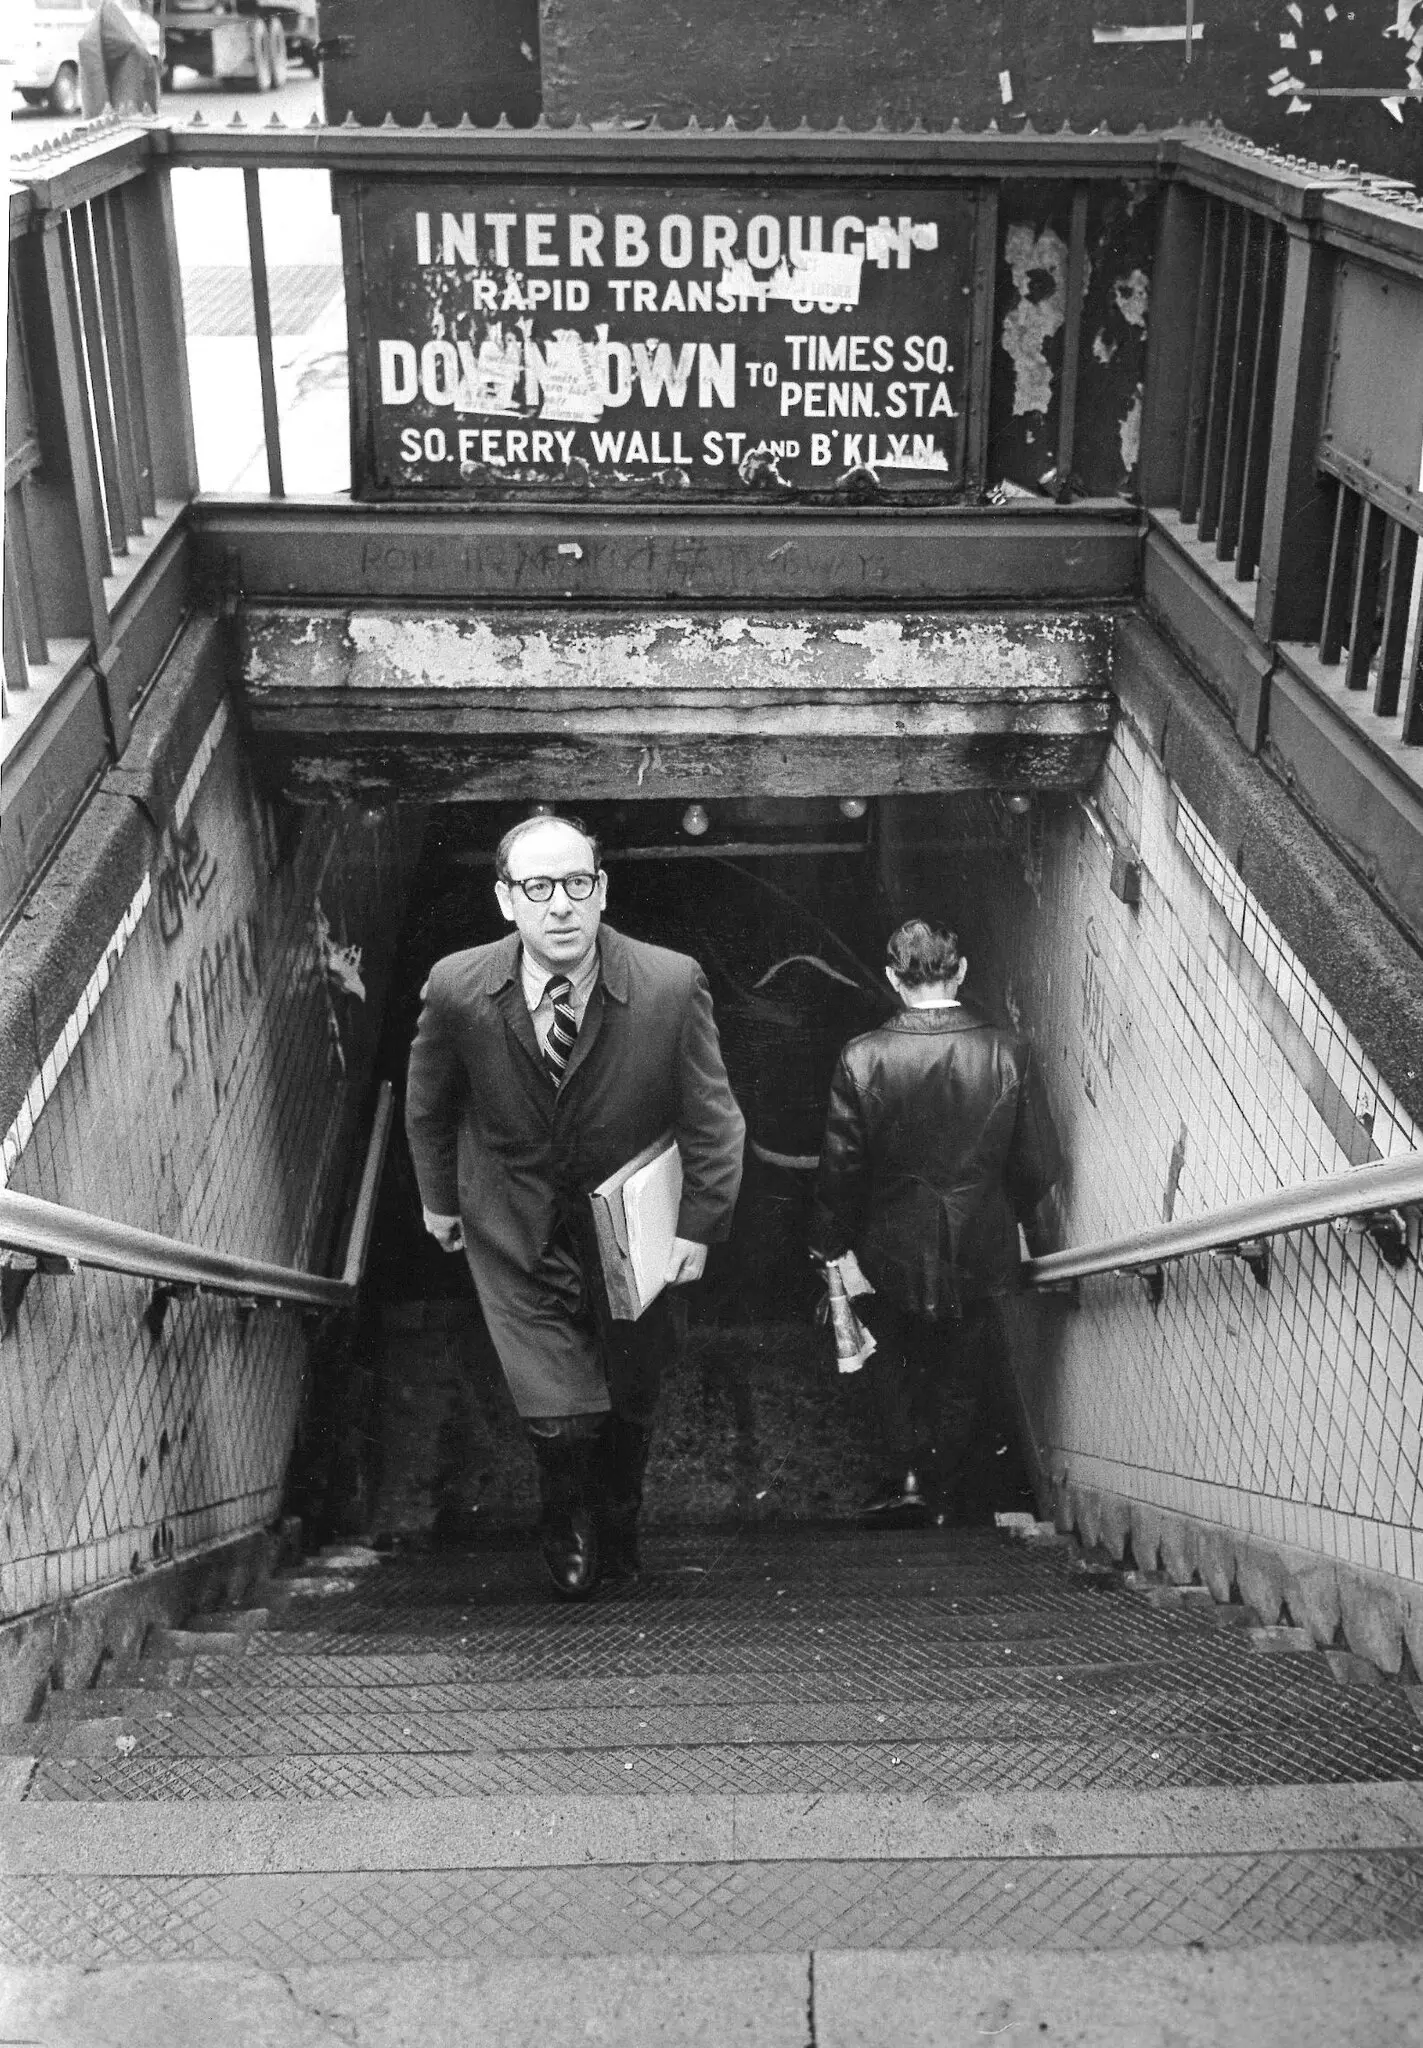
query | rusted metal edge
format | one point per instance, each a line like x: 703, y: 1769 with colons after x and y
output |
x: 570, y: 152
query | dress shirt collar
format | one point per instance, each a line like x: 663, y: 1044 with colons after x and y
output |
x: 536, y: 979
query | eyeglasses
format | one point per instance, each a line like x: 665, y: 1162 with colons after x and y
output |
x: 539, y: 888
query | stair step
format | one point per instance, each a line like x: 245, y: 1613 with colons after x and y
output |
x: 1308, y: 1685
x: 257, y: 1686
x: 1372, y: 1734
x: 1268, y: 1996
x: 975, y: 1670
x: 422, y: 1880
x: 899, y: 1767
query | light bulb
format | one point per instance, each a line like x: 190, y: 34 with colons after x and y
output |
x: 695, y: 820
x: 1020, y: 803
x: 853, y: 806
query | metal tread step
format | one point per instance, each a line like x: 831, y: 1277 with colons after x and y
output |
x: 1298, y: 1685
x: 1371, y: 1732
x: 894, y: 1766
x: 1110, y: 1902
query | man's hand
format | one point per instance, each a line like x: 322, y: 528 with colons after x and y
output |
x: 687, y: 1261
x: 445, y: 1230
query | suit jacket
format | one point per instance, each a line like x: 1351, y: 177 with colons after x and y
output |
x: 494, y: 1143
x: 937, y: 1140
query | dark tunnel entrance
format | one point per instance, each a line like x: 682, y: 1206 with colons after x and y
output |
x: 787, y: 904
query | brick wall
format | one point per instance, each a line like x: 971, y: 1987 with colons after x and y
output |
x: 205, y: 1084
x: 1192, y: 1061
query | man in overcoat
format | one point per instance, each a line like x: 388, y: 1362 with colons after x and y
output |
x: 938, y: 1143
x: 541, y: 1064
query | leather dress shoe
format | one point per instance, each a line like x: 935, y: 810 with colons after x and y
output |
x: 571, y: 1555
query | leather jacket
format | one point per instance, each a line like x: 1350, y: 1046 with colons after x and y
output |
x: 938, y: 1140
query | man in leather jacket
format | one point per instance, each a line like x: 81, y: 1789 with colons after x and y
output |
x: 938, y: 1143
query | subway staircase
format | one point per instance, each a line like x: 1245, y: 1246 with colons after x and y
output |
x: 802, y: 1785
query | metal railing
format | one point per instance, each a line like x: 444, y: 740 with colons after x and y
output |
x: 1270, y: 273
x: 99, y: 454
x: 39, y: 1236
x: 1377, y: 1194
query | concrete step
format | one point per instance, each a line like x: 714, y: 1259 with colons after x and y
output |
x: 1360, y: 1733
x: 897, y: 1766
x: 1277, y: 1996
x: 441, y: 1879
x: 974, y: 1671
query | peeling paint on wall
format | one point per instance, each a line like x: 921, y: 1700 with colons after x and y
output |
x: 662, y: 651
x: 1132, y: 294
x: 1131, y: 434
x: 1036, y: 317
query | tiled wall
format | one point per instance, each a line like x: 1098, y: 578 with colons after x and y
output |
x: 1192, y: 1063
x: 205, y: 1086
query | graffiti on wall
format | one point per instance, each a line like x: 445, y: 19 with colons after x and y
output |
x: 211, y: 1001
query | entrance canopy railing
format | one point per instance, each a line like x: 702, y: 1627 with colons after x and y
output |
x: 1190, y: 376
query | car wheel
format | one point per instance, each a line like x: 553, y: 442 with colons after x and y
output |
x: 261, y: 80
x: 278, y: 41
x: 63, y: 95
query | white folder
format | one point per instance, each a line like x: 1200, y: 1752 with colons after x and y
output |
x: 635, y: 1214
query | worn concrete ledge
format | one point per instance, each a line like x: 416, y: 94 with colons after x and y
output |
x: 1364, y: 1995
x: 226, y: 1837
x: 1378, y: 1614
x: 630, y: 2001
x: 1279, y: 1996
x: 1275, y: 1996
x: 47, y: 958
x: 61, y: 1648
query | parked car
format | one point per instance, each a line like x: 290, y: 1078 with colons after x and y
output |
x: 44, y: 47
x: 245, y: 41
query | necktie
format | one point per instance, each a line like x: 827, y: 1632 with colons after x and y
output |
x: 563, y: 1030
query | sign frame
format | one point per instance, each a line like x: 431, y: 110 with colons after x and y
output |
x: 881, y: 470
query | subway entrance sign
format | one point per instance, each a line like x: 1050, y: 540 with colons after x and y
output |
x: 521, y: 337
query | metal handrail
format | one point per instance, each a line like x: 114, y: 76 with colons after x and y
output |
x: 67, y: 1238
x: 1383, y: 1185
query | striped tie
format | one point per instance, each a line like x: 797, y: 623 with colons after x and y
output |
x: 564, y: 1028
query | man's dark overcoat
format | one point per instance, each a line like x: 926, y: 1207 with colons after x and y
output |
x: 937, y: 1141
x: 495, y: 1144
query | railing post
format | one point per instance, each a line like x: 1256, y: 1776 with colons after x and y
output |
x: 51, y: 511
x: 1175, y: 282
x: 262, y: 322
x: 1298, y: 518
x: 152, y: 240
x: 78, y: 432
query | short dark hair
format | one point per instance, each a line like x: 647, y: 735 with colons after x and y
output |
x: 921, y: 953
x: 525, y: 825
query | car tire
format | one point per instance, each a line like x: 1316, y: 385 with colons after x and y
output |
x: 63, y: 95
x: 277, y: 42
x: 261, y: 79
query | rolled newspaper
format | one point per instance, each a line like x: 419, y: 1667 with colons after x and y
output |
x: 853, y: 1342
